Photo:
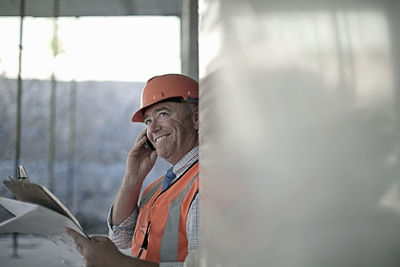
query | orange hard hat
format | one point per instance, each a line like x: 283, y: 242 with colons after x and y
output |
x: 160, y: 88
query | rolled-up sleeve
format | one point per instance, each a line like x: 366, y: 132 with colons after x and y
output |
x: 122, y: 234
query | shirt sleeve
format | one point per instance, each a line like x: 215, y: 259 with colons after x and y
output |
x: 193, y: 225
x: 122, y: 234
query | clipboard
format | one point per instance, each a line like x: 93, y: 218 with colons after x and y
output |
x: 36, y: 194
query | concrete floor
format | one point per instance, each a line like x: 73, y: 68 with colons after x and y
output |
x: 33, y: 251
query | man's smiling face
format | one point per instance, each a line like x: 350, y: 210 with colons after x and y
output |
x: 172, y: 128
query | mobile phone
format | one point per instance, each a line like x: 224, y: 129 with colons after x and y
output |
x: 149, y: 145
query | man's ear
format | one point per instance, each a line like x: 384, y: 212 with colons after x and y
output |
x: 195, y: 117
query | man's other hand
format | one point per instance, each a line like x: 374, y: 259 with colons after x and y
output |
x: 100, y: 251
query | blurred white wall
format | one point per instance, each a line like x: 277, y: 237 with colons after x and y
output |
x: 300, y: 133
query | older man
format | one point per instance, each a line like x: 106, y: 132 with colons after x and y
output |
x: 164, y: 228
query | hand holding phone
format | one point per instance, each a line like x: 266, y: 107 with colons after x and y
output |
x: 148, y: 144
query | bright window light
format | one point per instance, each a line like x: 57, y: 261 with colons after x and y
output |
x: 92, y: 48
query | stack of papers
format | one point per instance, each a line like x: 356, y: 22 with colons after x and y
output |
x: 37, y: 211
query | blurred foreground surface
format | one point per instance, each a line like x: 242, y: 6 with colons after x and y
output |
x: 300, y: 133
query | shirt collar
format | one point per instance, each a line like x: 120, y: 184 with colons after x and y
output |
x: 186, y: 162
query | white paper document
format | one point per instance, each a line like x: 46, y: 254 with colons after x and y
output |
x: 34, y: 219
x: 49, y: 219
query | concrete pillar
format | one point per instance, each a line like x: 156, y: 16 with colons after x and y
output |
x: 189, y: 38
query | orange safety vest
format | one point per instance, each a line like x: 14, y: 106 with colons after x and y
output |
x: 160, y: 231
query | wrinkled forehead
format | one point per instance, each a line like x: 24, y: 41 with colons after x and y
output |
x: 167, y: 106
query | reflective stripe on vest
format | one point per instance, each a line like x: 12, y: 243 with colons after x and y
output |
x: 163, y: 216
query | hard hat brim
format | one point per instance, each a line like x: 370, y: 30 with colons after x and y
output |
x: 164, y: 87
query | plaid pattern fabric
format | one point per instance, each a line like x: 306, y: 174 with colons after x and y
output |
x: 122, y: 234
